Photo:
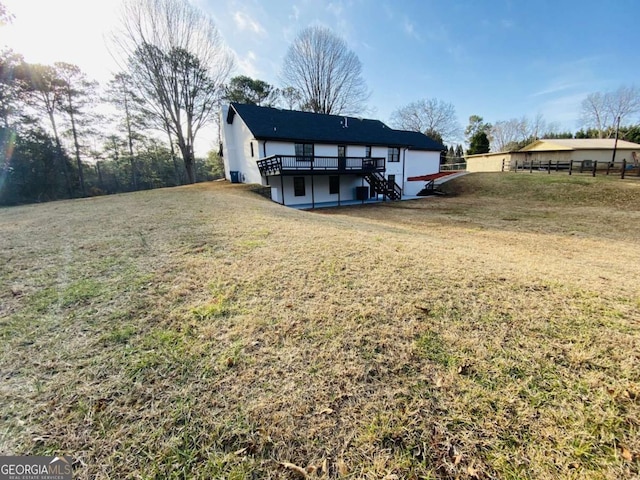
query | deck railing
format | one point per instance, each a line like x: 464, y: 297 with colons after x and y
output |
x: 279, y: 164
x: 448, y: 167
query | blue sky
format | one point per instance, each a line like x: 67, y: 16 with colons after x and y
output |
x: 499, y: 59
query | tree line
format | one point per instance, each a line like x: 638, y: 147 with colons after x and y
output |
x: 602, y: 115
x: 174, y: 77
x: 56, y: 143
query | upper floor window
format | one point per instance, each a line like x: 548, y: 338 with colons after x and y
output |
x: 367, y: 151
x: 304, y: 150
x: 251, y: 143
x: 394, y: 154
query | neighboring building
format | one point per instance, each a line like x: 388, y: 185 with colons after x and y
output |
x: 578, y: 149
x: 492, y: 162
x: 309, y: 158
x: 555, y: 150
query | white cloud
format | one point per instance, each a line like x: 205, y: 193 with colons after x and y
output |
x: 410, y: 29
x: 340, y: 23
x: 296, y: 13
x: 555, y: 88
x: 507, y: 24
x: 245, y: 22
x: 565, y: 110
x: 335, y: 9
x: 247, y: 65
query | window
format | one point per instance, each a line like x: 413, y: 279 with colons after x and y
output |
x: 394, y: 154
x: 251, y: 143
x: 304, y: 151
x: 367, y: 151
x: 334, y: 185
x: 342, y: 157
x: 391, y: 180
x: 298, y: 187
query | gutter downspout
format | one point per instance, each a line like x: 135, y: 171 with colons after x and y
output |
x: 404, y: 179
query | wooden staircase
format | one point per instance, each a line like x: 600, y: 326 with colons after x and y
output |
x: 382, y: 185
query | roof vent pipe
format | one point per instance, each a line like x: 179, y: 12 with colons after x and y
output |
x: 346, y: 122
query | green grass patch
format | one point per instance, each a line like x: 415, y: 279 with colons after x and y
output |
x: 431, y: 346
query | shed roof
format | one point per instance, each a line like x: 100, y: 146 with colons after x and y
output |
x: 268, y: 123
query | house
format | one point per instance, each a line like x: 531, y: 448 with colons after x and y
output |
x: 310, y: 159
x: 555, y: 150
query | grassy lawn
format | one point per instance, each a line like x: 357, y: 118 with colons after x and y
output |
x: 205, y: 332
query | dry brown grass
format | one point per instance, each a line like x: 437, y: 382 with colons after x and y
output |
x: 206, y: 332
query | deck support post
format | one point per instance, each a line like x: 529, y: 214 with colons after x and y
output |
x: 282, y: 187
x: 313, y: 195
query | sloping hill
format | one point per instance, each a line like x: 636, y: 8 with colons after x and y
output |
x: 205, y: 332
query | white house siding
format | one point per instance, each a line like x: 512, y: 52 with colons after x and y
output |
x: 237, y: 140
x: 320, y: 150
x: 392, y: 168
x: 348, y: 184
x: 417, y: 163
x: 228, y: 142
x: 359, y: 151
x: 277, y: 148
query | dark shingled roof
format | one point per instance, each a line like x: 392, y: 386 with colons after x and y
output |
x: 268, y: 123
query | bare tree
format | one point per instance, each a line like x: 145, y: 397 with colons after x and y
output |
x: 179, y: 65
x: 430, y: 116
x: 325, y: 72
x: 5, y: 15
x: 601, y: 111
x: 515, y: 133
x: 291, y: 97
x: 506, y: 133
x: 595, y: 113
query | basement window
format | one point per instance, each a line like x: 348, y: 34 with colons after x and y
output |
x: 298, y: 187
x: 334, y: 185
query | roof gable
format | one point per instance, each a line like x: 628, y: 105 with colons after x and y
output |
x: 266, y: 123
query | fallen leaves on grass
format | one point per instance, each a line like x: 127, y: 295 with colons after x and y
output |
x: 625, y: 452
x: 327, y: 411
x: 473, y: 472
x: 299, y: 471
